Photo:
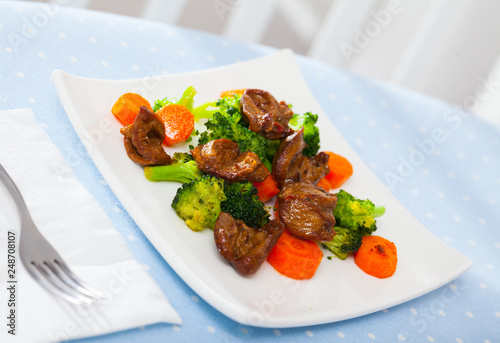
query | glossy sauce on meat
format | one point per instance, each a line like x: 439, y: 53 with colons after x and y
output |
x: 290, y: 164
x: 222, y: 158
x: 264, y: 114
x: 143, y: 139
x: 307, y: 210
x: 243, y: 247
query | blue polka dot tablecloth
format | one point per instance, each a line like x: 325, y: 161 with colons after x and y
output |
x: 439, y: 161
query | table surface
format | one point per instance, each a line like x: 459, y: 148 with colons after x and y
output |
x: 451, y: 185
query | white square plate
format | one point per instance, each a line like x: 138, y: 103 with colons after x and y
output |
x: 339, y: 290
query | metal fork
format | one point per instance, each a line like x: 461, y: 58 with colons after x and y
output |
x: 42, y: 261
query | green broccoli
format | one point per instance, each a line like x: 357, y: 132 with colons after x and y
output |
x: 311, y: 131
x: 355, y: 219
x: 187, y: 99
x: 243, y: 203
x: 227, y: 123
x: 198, y: 202
x: 184, y: 169
x: 223, y: 105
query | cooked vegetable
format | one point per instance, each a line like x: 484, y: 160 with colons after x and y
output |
x: 179, y: 123
x: 355, y: 219
x: 183, y: 170
x: 340, y: 172
x: 127, y: 106
x: 226, y: 123
x: 295, y: 257
x: 186, y: 100
x: 266, y: 189
x: 243, y: 203
x: 232, y: 92
x: 311, y: 131
x: 377, y: 256
x: 230, y: 103
x: 198, y: 202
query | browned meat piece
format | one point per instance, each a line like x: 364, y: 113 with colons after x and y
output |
x: 245, y: 248
x: 307, y: 210
x: 222, y: 157
x: 264, y: 114
x: 143, y: 139
x: 290, y: 164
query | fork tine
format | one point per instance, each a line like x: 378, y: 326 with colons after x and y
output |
x: 72, y: 280
x: 59, y: 288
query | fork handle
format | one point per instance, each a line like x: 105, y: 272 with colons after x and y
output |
x: 15, y: 193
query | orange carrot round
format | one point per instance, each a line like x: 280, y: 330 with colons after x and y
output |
x: 266, y: 189
x: 295, y: 257
x: 340, y: 171
x: 377, y: 256
x: 232, y: 92
x: 179, y: 123
x: 127, y: 106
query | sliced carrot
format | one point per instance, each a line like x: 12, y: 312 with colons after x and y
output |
x: 266, y: 189
x: 377, y: 256
x: 340, y: 171
x: 295, y: 257
x: 179, y: 123
x: 232, y: 92
x: 127, y: 106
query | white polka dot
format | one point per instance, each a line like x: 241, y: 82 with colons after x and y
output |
x: 442, y: 313
x: 131, y: 238
x: 457, y: 218
x: 472, y: 242
x: 210, y: 329
x: 20, y: 74
x: 117, y: 209
x: 465, y: 197
x: 384, y: 103
x: 486, y: 159
x: 440, y: 194
x: 277, y: 332
x: 195, y: 298
x: 497, y: 245
x: 415, y: 191
x: 430, y: 339
x: 244, y: 331
x: 332, y: 96
x: 430, y: 215
x: 359, y: 141
x: 402, y: 337
x: 481, y: 221
x: 32, y: 100
x: 81, y: 19
x: 413, y: 310
x: 345, y: 79
x: 461, y: 155
x: 134, y: 67
x: 182, y: 53
x: 73, y: 59
x: 371, y: 122
x: 469, y: 314
x: 345, y: 119
x: 41, y: 54
x: 497, y: 313
x: 459, y: 340
x: 487, y: 341
x: 471, y: 137
x: 491, y: 201
x: 385, y: 145
x: 61, y: 35
x: 371, y: 335
x: 475, y: 178
x: 210, y: 58
x: 140, y: 28
x: 319, y: 75
x: 111, y: 23
x: 153, y: 49
x: 397, y: 126
x: 123, y: 44
x: 340, y: 334
x: 426, y: 171
x: 490, y: 266
x: 422, y: 129
x: 373, y: 165
x: 93, y: 40
x: 9, y: 50
x: 309, y: 333
x: 358, y: 99
x: 451, y: 175
x: 176, y: 328
x: 224, y: 42
x: 104, y: 63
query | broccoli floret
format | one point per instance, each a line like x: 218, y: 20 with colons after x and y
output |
x: 355, y: 219
x: 244, y: 204
x: 198, y: 202
x: 184, y: 169
x: 311, y: 131
x: 223, y: 105
x: 227, y: 123
x: 187, y: 100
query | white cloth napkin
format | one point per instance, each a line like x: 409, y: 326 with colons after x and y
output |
x: 73, y: 221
